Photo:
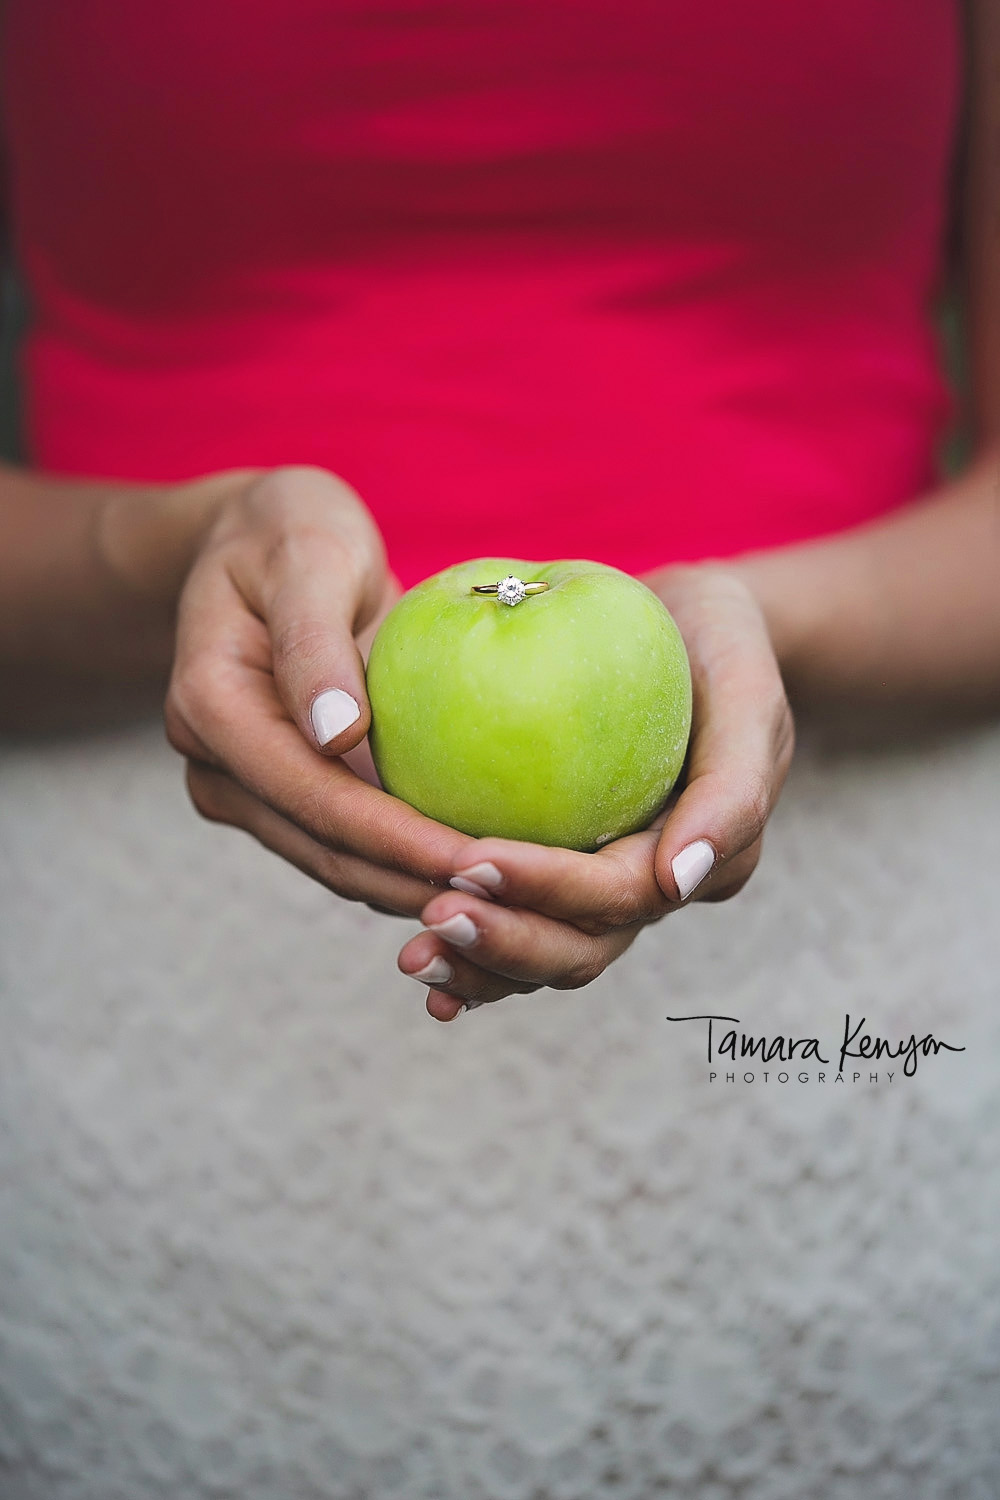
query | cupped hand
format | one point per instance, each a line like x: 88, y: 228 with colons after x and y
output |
x: 520, y: 916
x: 267, y: 695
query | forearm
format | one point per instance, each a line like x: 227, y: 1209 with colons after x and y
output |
x: 905, y: 611
x: 89, y: 575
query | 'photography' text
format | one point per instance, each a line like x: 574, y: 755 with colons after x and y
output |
x: 740, y: 1055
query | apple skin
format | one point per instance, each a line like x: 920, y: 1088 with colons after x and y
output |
x: 562, y: 720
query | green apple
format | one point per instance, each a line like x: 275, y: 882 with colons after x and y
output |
x: 561, y: 719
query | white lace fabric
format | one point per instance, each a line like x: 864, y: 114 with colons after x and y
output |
x: 269, y: 1232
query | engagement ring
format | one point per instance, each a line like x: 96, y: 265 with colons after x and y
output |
x: 509, y: 590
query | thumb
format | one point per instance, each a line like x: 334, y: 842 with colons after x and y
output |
x: 318, y: 669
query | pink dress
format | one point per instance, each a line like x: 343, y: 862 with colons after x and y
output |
x: 617, y: 279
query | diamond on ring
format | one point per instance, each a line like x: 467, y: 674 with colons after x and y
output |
x: 510, y: 590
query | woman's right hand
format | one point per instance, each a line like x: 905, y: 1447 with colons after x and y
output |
x: 267, y: 695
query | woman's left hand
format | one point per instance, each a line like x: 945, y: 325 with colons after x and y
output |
x: 523, y: 915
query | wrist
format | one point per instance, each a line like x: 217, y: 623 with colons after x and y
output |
x: 146, y: 539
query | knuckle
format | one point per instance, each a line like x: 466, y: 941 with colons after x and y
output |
x: 480, y: 987
x: 288, y: 481
x: 329, y: 814
x: 180, y: 736
x: 191, y: 708
x: 301, y: 641
x: 273, y: 495
x: 317, y: 817
x: 297, y: 500
x: 620, y: 908
x: 754, y: 808
x: 784, y: 737
x: 582, y: 971
x: 623, y: 902
x: 595, y: 927
x: 195, y: 688
x: 206, y: 790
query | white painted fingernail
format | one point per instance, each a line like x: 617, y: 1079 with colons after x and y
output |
x: 476, y: 877
x: 470, y: 887
x: 438, y: 971
x: 459, y: 930
x: 333, y: 712
x: 691, y: 866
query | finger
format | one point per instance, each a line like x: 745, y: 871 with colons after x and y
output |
x: 220, y: 799
x: 738, y: 759
x: 521, y: 945
x: 454, y: 982
x: 615, y: 887
x: 316, y: 577
x: 223, y: 693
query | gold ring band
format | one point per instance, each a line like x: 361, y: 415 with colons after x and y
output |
x: 494, y: 588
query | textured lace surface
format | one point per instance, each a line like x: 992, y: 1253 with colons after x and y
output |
x: 268, y: 1232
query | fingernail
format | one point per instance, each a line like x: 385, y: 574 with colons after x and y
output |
x: 438, y: 971
x: 459, y: 930
x: 470, y: 887
x: 478, y: 880
x: 332, y: 712
x: 691, y: 866
x: 472, y: 1004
